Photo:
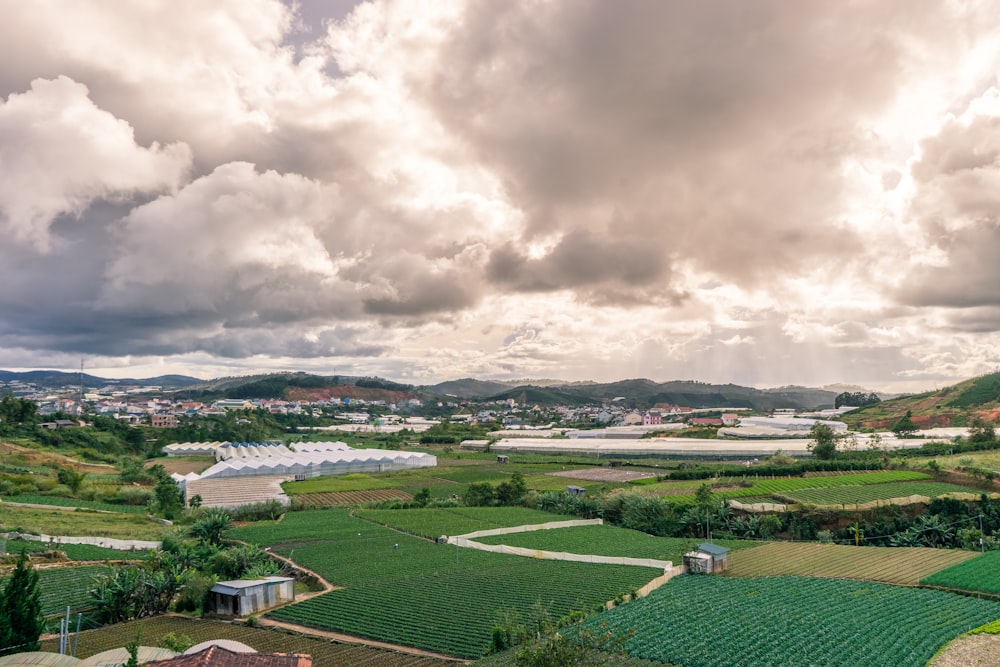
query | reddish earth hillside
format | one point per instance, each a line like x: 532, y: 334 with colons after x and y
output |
x: 349, y: 391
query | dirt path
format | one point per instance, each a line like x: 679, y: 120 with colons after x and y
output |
x: 351, y: 639
x: 327, y: 586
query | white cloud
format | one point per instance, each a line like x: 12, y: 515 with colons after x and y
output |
x: 59, y: 152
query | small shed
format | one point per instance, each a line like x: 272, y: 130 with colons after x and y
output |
x: 249, y: 596
x: 503, y: 458
x: 708, y: 558
x: 576, y: 490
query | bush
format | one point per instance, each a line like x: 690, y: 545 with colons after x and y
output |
x: 266, y: 511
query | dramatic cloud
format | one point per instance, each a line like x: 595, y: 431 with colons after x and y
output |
x: 761, y: 192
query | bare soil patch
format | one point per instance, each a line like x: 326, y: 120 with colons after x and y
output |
x: 972, y: 651
x: 604, y: 474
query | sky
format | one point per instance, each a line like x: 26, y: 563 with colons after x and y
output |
x: 759, y: 192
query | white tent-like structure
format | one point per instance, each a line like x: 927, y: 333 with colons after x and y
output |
x: 305, y: 460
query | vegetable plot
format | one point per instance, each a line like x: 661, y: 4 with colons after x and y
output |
x: 981, y: 574
x: 707, y: 621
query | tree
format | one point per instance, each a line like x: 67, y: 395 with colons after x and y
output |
x: 212, y: 525
x: 824, y: 444
x: 579, y: 647
x: 21, y: 620
x: 72, y: 479
x: 981, y: 431
x: 512, y: 492
x: 905, y: 426
x: 169, y: 497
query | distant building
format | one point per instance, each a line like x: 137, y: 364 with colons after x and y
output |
x: 250, y: 596
x: 164, y: 421
x: 652, y: 419
x: 708, y: 558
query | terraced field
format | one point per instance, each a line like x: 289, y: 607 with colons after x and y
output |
x: 893, y: 565
x: 701, y: 621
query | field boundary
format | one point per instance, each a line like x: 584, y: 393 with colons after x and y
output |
x: 469, y: 542
x: 106, y: 542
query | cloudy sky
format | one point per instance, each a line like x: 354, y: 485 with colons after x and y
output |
x: 758, y: 192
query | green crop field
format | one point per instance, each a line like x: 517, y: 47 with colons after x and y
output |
x: 981, y: 574
x: 458, y: 520
x: 894, y: 565
x: 447, y: 478
x: 707, y: 621
x: 850, y: 495
x: 607, y: 540
x: 763, y: 487
x: 66, y: 587
x: 451, y: 609
x: 325, y: 653
x: 409, y: 590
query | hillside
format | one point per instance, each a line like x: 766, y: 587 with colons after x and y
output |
x: 60, y: 379
x: 956, y: 405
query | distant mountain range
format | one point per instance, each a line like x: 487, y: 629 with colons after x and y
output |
x: 633, y: 393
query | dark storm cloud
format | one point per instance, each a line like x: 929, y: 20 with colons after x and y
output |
x: 579, y: 260
x: 718, y: 127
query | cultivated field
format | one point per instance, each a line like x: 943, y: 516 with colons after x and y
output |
x: 850, y: 495
x: 609, y: 540
x: 325, y: 653
x: 432, y: 523
x: 75, y: 552
x: 67, y: 587
x: 981, y: 574
x: 893, y: 565
x: 705, y: 621
x: 351, y: 497
x: 408, y: 590
x: 450, y: 477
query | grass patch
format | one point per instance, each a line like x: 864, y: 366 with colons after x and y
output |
x: 63, y: 523
x: 849, y: 495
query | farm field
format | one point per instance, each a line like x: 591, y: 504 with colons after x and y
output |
x: 702, y: 621
x: 325, y: 653
x: 841, y: 495
x: 66, y: 586
x: 766, y: 487
x: 431, y: 523
x: 409, y: 590
x: 981, y: 574
x: 75, y: 552
x: 893, y: 565
x: 334, y: 498
x: 449, y: 477
x: 609, y: 540
x: 452, y: 610
x: 66, y: 523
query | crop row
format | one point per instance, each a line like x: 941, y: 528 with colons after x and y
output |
x: 67, y: 587
x: 759, y: 486
x: 325, y: 653
x: 871, y: 492
x: 703, y: 621
x: 896, y: 565
x: 981, y: 574
x: 331, y: 498
x: 607, y: 540
x: 453, y: 612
